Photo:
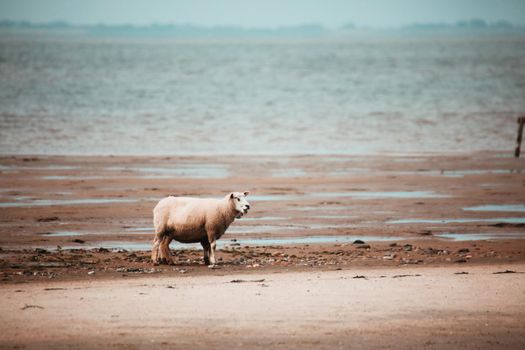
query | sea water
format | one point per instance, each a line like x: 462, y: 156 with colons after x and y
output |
x: 82, y: 94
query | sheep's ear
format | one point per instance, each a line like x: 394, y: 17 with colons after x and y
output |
x: 246, y: 193
x: 231, y: 195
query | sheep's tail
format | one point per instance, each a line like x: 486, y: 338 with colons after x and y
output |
x: 159, y: 230
x: 158, y: 225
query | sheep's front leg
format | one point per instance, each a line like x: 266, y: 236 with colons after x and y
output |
x: 212, y: 253
x: 155, y: 250
x: 213, y: 244
x: 206, y: 247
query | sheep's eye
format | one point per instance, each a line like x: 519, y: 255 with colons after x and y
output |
x: 238, y: 199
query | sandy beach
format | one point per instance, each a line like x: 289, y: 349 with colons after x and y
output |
x: 440, y: 264
x: 472, y: 307
x: 376, y: 141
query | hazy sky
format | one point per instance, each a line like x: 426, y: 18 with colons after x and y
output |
x: 262, y: 13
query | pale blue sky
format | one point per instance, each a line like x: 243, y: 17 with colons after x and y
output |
x: 262, y: 13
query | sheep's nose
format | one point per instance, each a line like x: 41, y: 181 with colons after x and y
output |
x: 247, y: 206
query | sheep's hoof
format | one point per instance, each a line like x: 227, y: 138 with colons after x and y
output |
x: 164, y: 261
x: 213, y: 266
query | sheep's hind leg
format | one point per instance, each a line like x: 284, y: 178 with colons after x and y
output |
x: 206, y: 247
x: 155, y: 250
x: 165, y: 254
x: 160, y: 233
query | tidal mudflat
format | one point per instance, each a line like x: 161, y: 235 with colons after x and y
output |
x: 385, y: 248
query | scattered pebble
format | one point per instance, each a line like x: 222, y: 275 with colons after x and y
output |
x: 506, y: 271
x: 48, y: 219
x: 425, y: 233
x: 363, y: 246
x: 31, y: 307
x: 244, y: 281
x: 401, y: 276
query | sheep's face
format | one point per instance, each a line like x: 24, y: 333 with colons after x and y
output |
x: 241, y: 204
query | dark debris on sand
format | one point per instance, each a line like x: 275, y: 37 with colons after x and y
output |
x: 39, y: 263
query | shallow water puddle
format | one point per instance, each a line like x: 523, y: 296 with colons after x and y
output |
x: 263, y: 228
x: 247, y: 241
x: 458, y: 173
x: 456, y: 221
x: 140, y: 229
x: 481, y: 236
x: 291, y: 172
x: 180, y: 170
x: 51, y: 202
x: 332, y: 216
x: 232, y: 229
x: 15, y: 167
x: 299, y: 240
x: 380, y: 194
x: 346, y: 171
x: 265, y: 218
x: 275, y: 197
x: 323, y: 208
x: 294, y: 172
x: 498, y: 207
x: 244, y: 229
x: 350, y: 194
x: 72, y: 177
x: 462, y: 173
x: 63, y: 234
x: 316, y: 239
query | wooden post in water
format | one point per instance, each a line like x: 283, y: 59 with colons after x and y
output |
x: 521, y: 121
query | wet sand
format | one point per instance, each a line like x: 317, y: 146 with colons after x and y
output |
x: 473, y: 307
x: 85, y: 222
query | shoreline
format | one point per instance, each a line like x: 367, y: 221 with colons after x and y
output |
x: 207, y: 154
x: 92, y: 265
x: 84, y: 203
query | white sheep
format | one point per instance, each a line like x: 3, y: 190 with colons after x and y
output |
x: 194, y: 220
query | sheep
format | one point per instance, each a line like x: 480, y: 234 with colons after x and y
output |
x: 194, y: 220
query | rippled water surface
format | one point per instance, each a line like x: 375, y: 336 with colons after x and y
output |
x: 362, y: 93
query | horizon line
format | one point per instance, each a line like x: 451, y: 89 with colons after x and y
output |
x: 472, y: 23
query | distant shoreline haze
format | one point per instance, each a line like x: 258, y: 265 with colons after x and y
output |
x: 309, y: 29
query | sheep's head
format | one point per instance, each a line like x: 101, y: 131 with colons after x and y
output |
x: 240, y: 203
